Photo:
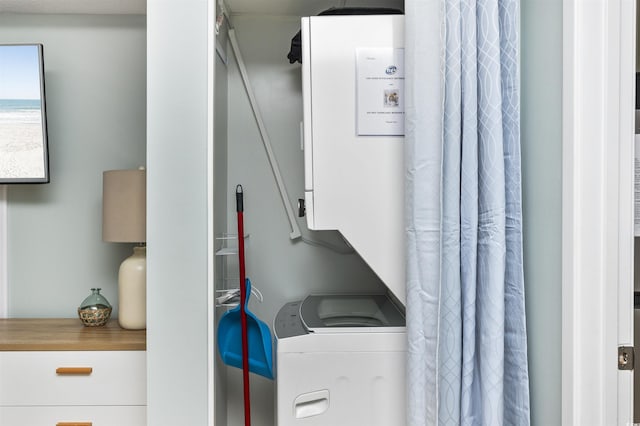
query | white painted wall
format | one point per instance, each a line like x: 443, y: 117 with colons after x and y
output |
x: 178, y: 288
x: 541, y: 109
x: 96, y: 88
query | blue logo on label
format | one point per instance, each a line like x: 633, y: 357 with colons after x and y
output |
x: 391, y: 69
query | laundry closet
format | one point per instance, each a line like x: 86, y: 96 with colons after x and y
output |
x: 282, y: 267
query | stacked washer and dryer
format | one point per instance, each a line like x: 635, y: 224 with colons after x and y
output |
x: 341, y: 358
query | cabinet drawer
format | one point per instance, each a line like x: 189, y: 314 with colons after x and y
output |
x: 53, y: 416
x: 42, y: 378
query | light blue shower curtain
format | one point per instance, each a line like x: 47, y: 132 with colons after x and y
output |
x: 467, y: 348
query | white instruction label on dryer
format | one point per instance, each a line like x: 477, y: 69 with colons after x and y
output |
x: 380, y: 91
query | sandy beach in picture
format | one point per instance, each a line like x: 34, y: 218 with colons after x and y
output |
x: 21, y: 149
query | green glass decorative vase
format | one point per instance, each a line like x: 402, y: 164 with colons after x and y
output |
x: 95, y: 310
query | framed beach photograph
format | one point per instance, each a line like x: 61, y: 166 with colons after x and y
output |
x: 24, y: 156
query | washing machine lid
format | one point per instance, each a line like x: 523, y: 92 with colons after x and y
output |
x: 351, y: 313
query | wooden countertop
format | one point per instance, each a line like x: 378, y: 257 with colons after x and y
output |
x: 67, y: 334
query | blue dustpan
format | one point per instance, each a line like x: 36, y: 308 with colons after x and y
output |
x: 258, y: 337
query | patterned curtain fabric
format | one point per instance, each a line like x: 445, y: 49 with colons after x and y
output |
x: 467, y: 351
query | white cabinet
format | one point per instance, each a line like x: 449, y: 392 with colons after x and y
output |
x: 72, y: 378
x: 57, y: 372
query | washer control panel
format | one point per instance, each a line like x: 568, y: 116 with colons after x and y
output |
x: 287, y: 322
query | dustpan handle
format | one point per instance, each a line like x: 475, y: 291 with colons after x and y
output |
x: 247, y: 284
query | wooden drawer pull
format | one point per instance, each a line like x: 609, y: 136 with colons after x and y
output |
x: 74, y: 424
x: 65, y: 371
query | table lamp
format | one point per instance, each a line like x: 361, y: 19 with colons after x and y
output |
x: 124, y: 212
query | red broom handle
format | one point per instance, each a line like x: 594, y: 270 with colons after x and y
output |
x: 243, y: 312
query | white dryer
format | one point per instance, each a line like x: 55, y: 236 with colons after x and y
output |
x: 340, y: 361
x: 354, y: 180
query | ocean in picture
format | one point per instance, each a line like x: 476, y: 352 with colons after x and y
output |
x: 21, y: 138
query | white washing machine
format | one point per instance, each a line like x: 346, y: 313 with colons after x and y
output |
x: 340, y: 362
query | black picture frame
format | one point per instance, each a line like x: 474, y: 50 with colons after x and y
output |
x: 24, y: 148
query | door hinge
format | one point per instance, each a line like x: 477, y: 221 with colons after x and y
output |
x: 625, y: 357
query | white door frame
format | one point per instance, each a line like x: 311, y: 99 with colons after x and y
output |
x: 597, y: 218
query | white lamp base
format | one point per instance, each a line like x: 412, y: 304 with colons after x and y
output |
x: 132, y: 290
